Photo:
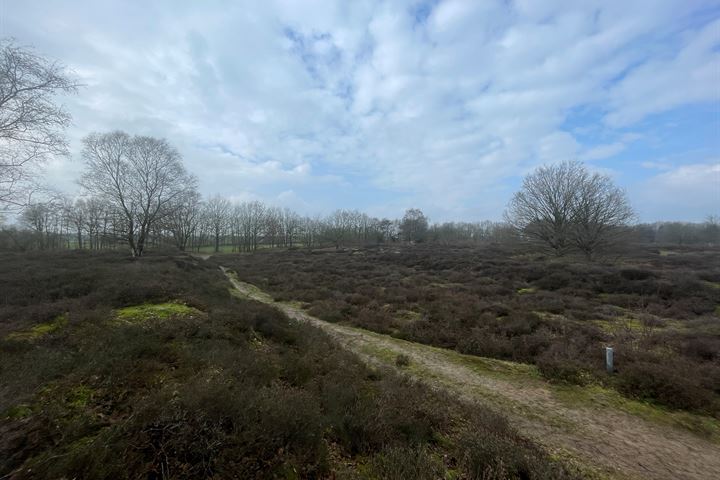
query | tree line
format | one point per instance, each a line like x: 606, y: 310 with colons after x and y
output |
x: 189, y: 222
x: 136, y: 192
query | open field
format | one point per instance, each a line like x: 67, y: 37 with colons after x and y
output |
x: 657, y: 308
x: 151, y: 368
x: 592, y: 426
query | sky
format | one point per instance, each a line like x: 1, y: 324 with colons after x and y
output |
x: 385, y: 105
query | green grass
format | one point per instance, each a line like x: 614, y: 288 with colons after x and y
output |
x: 40, y: 330
x: 523, y: 291
x: 591, y: 396
x: 18, y: 412
x: 155, y: 311
x: 599, y: 396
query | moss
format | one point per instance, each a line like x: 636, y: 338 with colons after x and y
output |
x: 155, y: 311
x: 600, y: 396
x: 79, y: 397
x: 621, y: 323
x: 40, y: 330
x: 523, y: 291
x: 446, y: 285
x: 593, y: 395
x: 407, y: 316
x: 492, y: 366
x: 18, y: 412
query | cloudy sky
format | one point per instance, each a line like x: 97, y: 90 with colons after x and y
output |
x: 381, y: 106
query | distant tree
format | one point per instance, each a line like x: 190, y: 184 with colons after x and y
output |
x: 564, y: 206
x: 337, y: 227
x: 414, y: 225
x: 291, y: 223
x: 140, y: 176
x: 681, y: 233
x: 601, y: 214
x: 311, y: 230
x: 711, y: 231
x: 44, y: 219
x: 249, y: 222
x: 217, y: 216
x: 543, y: 209
x: 75, y: 215
x: 387, y: 230
x: 31, y: 122
x: 184, y: 216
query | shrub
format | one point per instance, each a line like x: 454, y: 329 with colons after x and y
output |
x: 666, y: 385
x: 403, y: 463
x: 402, y: 360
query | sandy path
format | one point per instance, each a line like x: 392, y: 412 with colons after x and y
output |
x: 618, y: 444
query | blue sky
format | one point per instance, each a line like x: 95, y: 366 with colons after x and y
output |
x: 382, y: 106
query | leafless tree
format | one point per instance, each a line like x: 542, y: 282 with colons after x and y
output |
x: 601, y: 213
x: 31, y: 122
x: 291, y: 223
x: 338, y: 226
x: 311, y: 230
x: 273, y: 227
x: 75, y: 215
x: 140, y: 176
x: 564, y: 206
x: 543, y: 209
x: 414, y: 225
x: 184, y: 217
x: 217, y: 217
x: 45, y: 219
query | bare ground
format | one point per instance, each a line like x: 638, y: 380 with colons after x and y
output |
x: 602, y: 439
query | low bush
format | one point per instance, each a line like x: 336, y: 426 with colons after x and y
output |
x: 489, y: 301
x: 233, y: 391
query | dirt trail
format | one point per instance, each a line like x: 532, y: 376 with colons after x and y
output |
x: 615, y: 443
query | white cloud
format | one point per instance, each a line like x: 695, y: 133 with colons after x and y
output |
x: 438, y: 112
x: 656, y: 165
x: 671, y: 195
x: 659, y: 85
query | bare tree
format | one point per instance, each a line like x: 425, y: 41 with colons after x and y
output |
x: 337, y: 227
x: 601, y: 213
x: 217, y: 216
x: 414, y: 225
x: 75, y: 215
x: 31, y: 122
x: 45, y: 220
x: 564, y: 206
x: 543, y: 209
x: 184, y: 217
x: 140, y: 176
x: 290, y: 225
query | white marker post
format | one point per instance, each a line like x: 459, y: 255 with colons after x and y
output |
x: 609, y: 359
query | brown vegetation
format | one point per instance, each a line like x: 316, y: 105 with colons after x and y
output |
x: 220, y: 387
x: 657, y: 310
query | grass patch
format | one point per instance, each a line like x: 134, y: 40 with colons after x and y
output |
x: 39, y: 331
x: 18, y: 412
x: 155, y: 311
x: 525, y: 291
x: 599, y: 396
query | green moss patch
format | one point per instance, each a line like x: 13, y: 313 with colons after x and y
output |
x: 597, y: 395
x: 40, y: 330
x: 18, y: 412
x: 524, y: 291
x: 155, y: 311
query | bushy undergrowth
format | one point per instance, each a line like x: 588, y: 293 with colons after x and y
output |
x: 225, y: 389
x: 659, y: 311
